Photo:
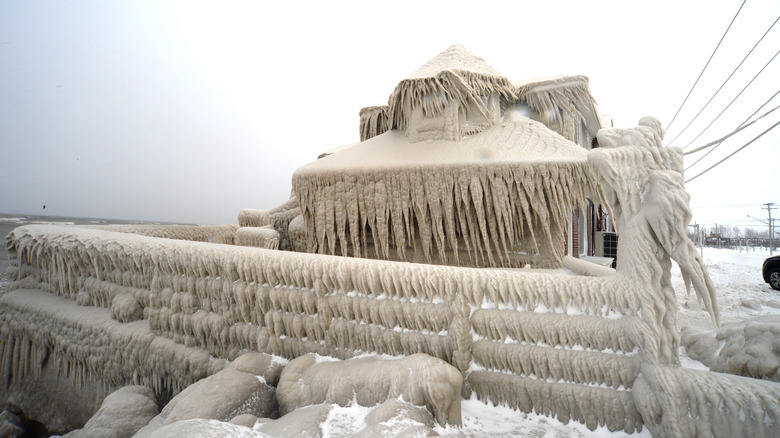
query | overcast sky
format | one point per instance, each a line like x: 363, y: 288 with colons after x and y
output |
x: 189, y: 111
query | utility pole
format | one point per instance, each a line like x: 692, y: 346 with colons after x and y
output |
x: 717, y: 234
x: 699, y: 238
x: 701, y: 243
x: 769, y: 207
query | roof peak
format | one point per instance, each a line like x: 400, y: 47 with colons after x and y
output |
x: 456, y: 59
x: 454, y: 75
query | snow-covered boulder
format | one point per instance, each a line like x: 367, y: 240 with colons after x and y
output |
x: 394, y: 418
x: 121, y: 415
x: 304, y: 421
x: 238, y: 389
x: 748, y: 348
x: 420, y: 379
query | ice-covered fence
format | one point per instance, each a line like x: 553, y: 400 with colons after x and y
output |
x: 522, y: 337
x: 259, y: 237
x: 278, y: 217
x: 198, y: 233
x: 87, y: 345
x: 683, y: 402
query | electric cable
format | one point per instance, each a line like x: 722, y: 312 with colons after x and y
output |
x: 705, y: 66
x: 724, y: 82
x: 741, y: 127
x: 732, y: 154
x: 733, y: 100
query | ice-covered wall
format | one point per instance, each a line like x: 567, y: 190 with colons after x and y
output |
x: 226, y: 299
x: 679, y: 402
x: 88, y: 344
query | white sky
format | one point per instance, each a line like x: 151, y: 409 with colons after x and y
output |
x: 189, y: 111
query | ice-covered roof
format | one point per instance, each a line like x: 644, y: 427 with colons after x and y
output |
x: 514, y: 143
x: 373, y: 121
x: 453, y: 75
x: 504, y: 191
x: 519, y: 83
x: 560, y: 102
x: 456, y: 59
x: 458, y: 76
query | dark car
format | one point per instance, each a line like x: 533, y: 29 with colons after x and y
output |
x: 771, y: 271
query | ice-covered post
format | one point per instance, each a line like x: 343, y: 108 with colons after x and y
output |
x: 642, y: 182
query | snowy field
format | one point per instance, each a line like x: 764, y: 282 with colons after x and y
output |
x: 742, y: 292
x: 742, y: 295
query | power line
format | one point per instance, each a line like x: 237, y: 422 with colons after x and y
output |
x: 732, y: 154
x: 762, y: 106
x: 723, y: 206
x: 721, y: 140
x: 733, y: 100
x: 724, y: 82
x: 739, y: 128
x: 705, y: 66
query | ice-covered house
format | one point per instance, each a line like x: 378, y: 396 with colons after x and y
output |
x: 455, y: 170
x: 449, y: 172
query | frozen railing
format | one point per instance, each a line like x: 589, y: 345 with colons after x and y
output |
x: 546, y: 333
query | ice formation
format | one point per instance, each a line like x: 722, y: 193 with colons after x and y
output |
x: 562, y: 103
x: 198, y: 233
x: 423, y: 187
x: 419, y: 379
x: 373, y: 121
x: 746, y: 348
x: 261, y: 237
x: 447, y: 178
x: 278, y: 217
x: 684, y: 402
x: 500, y: 198
x: 642, y: 182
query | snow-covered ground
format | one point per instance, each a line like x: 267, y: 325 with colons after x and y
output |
x: 742, y: 292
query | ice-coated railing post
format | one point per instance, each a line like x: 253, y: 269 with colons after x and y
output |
x: 642, y: 182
